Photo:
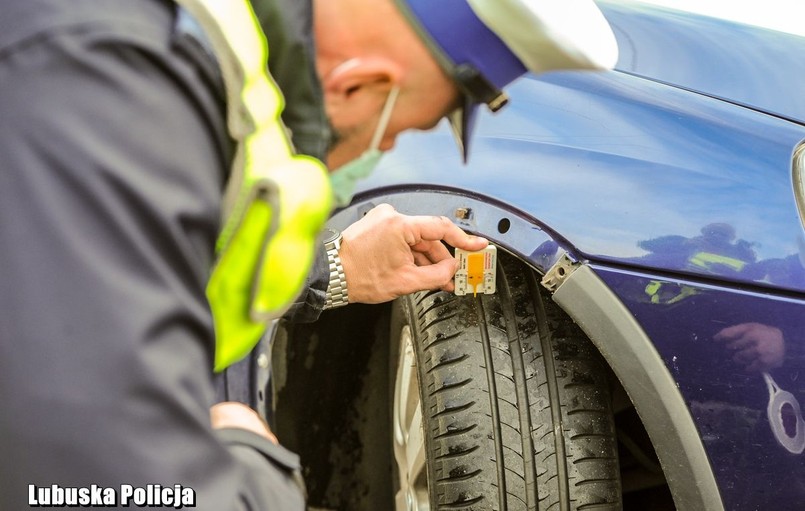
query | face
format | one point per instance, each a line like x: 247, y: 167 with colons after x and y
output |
x: 350, y: 138
x: 359, y: 62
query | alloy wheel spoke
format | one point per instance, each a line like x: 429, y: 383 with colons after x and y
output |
x: 415, y: 450
x: 409, y: 440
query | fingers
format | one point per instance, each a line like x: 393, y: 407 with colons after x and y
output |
x: 387, y: 254
x: 230, y: 414
x: 436, y: 228
x: 756, y: 367
x: 432, y: 276
x: 435, y: 251
x: 421, y: 259
x: 741, y: 343
x: 733, y: 332
x: 756, y: 346
x: 428, y: 228
x: 744, y: 357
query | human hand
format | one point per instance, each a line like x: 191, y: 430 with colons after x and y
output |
x: 387, y: 254
x: 756, y: 346
x: 231, y: 414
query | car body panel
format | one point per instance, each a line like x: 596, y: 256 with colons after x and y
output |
x: 683, y: 203
x: 648, y: 381
x: 729, y: 402
x: 712, y: 56
x: 621, y: 150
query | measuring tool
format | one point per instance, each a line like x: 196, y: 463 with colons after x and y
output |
x: 476, y: 271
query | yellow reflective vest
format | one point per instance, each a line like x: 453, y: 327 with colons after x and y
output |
x: 275, y: 202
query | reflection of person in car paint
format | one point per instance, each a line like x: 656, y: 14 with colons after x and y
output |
x: 724, y: 348
x: 718, y: 250
x: 761, y: 348
x: 715, y: 250
x: 755, y: 346
x: 761, y: 439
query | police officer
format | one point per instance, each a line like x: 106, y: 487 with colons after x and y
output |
x: 442, y: 71
x: 121, y: 126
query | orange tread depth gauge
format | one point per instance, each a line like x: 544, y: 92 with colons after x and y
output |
x: 476, y: 271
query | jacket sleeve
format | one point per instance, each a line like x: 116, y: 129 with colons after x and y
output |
x: 310, y: 303
x: 288, y: 28
x: 110, y: 181
x: 288, y: 25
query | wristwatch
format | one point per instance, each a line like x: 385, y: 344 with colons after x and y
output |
x: 337, y: 295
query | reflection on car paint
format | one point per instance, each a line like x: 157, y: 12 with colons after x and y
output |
x: 718, y: 343
x: 572, y: 147
x: 785, y: 417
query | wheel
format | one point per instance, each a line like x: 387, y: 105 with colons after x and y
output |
x: 500, y: 403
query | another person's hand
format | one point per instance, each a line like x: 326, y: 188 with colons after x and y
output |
x: 231, y: 414
x: 757, y: 347
x: 387, y: 254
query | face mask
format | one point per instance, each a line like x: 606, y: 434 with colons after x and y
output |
x: 344, y: 178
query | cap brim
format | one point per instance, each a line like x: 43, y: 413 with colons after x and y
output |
x: 462, y: 122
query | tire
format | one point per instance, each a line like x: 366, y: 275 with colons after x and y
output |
x: 500, y: 403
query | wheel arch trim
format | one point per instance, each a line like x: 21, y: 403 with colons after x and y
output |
x: 644, y: 376
x: 601, y: 315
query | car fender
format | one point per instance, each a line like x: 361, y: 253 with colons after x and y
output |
x: 594, y: 307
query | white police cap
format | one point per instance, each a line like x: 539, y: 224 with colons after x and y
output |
x: 483, y: 45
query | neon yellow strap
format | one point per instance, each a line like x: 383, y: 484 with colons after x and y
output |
x: 275, y: 203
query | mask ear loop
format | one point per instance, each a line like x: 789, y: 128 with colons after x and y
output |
x: 385, y: 117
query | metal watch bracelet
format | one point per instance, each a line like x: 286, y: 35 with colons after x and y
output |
x: 337, y: 294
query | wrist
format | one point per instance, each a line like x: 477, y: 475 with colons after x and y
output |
x: 337, y: 292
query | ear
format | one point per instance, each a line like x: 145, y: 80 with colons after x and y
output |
x: 356, y: 89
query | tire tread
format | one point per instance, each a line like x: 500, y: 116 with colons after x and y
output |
x: 499, y: 375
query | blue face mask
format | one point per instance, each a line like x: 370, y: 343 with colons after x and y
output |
x: 344, y: 178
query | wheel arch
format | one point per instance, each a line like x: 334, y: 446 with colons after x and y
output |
x: 589, y: 302
x: 651, y: 387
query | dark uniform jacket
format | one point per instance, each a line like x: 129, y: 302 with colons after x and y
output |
x: 288, y: 28
x: 113, y: 157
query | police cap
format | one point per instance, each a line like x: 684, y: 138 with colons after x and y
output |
x: 483, y: 45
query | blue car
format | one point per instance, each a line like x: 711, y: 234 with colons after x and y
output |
x: 645, y: 346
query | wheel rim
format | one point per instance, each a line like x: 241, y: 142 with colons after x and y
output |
x: 409, y: 439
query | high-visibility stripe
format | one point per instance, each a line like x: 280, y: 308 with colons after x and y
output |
x: 275, y: 202
x: 706, y: 260
x: 667, y: 293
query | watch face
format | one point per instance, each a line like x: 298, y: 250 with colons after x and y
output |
x: 330, y: 235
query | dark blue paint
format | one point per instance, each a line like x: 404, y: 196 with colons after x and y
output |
x: 677, y: 169
x: 609, y: 161
x: 748, y: 65
x: 727, y: 401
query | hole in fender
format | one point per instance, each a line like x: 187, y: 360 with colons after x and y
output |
x: 504, y: 225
